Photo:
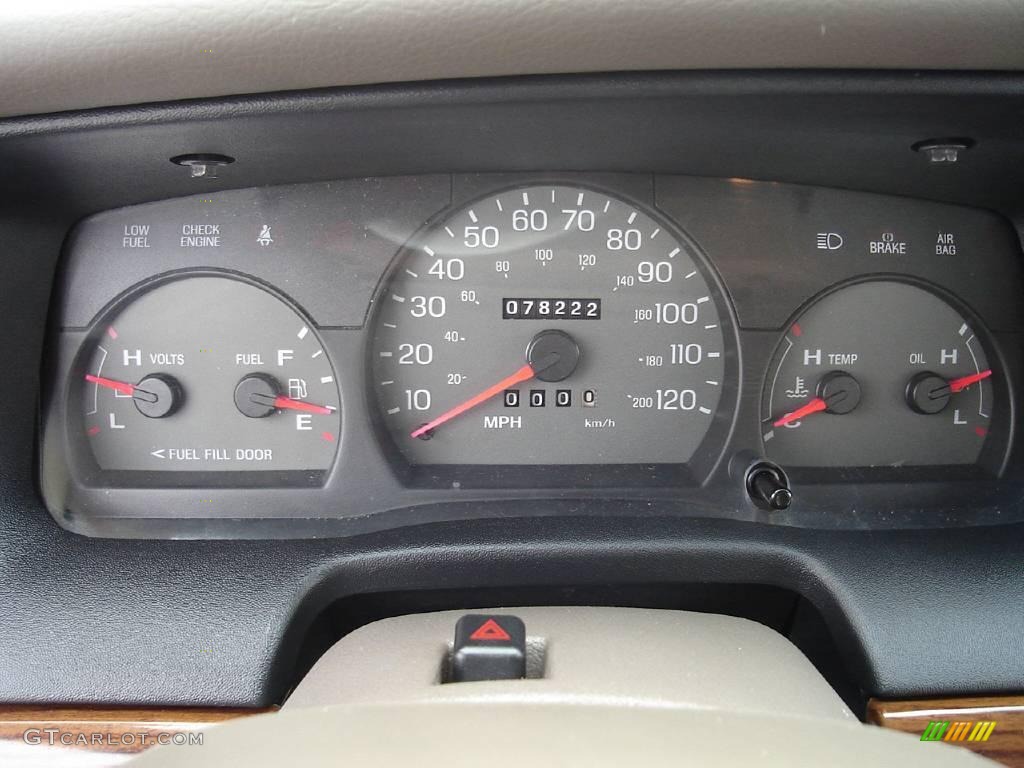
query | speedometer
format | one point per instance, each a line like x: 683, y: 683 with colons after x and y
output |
x: 550, y: 325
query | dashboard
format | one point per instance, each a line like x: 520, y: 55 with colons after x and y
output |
x: 719, y: 341
x: 352, y: 353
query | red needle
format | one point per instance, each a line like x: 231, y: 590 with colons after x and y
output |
x: 299, y: 405
x: 814, y: 406
x: 958, y: 385
x: 118, y: 386
x: 523, y: 374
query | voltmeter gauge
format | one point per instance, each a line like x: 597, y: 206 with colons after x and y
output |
x: 206, y: 374
x: 880, y: 373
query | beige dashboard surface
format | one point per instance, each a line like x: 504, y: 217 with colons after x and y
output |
x: 58, y: 55
x: 522, y: 736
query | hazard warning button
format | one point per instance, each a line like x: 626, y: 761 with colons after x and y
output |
x: 488, y: 648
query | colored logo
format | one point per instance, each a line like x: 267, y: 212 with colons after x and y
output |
x: 958, y: 731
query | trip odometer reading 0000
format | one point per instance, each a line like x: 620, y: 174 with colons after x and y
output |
x: 549, y: 326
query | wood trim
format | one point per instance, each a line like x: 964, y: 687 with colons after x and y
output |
x: 35, y: 733
x: 1004, y: 745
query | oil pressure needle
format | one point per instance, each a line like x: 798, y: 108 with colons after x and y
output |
x: 958, y: 385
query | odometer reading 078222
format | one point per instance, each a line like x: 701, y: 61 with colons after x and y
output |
x: 548, y: 325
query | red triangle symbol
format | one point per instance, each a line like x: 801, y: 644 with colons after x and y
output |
x: 490, y: 630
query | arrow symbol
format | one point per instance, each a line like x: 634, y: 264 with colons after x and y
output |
x: 159, y: 453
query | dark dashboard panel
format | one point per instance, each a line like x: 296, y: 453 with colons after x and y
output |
x: 329, y: 249
x: 221, y: 622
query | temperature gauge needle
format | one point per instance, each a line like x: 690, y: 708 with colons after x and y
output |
x: 816, y: 405
x: 958, y: 385
x: 525, y: 373
x: 299, y: 405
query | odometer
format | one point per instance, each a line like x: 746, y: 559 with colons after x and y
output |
x: 549, y: 325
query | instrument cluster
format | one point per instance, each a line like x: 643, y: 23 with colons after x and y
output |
x: 341, y: 356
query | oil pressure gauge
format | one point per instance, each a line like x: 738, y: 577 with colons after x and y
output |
x: 206, y: 374
x: 881, y: 373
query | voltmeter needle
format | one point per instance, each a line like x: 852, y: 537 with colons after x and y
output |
x: 133, y: 391
x: 118, y: 386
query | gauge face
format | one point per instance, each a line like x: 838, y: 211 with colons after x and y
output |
x: 549, y: 325
x: 208, y: 374
x: 878, y: 374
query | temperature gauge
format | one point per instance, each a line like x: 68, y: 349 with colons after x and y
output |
x: 879, y: 373
x: 207, y: 374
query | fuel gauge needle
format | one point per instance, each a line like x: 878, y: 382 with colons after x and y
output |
x: 814, y: 406
x: 300, y: 405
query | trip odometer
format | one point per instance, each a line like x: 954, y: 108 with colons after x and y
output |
x: 549, y: 326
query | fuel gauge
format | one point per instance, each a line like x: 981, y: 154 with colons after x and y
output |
x: 879, y: 373
x: 205, y: 374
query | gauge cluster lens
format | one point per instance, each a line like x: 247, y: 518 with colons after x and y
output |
x: 549, y: 325
x: 208, y: 374
x: 878, y: 373
x: 353, y: 354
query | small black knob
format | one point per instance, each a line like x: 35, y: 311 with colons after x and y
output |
x: 158, y: 395
x: 928, y: 393
x: 255, y: 395
x: 768, y: 487
x: 553, y: 354
x: 840, y: 391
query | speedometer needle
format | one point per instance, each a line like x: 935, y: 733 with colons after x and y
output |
x: 816, y: 405
x: 525, y: 373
